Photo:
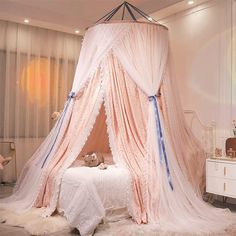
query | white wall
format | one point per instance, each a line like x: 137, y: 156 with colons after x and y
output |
x: 203, y: 43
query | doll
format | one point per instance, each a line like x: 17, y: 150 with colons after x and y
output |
x: 4, y: 161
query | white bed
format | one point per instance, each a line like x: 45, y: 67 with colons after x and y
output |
x: 87, y: 194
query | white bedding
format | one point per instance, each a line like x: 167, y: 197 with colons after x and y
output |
x: 87, y: 193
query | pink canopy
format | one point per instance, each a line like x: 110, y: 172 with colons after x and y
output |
x: 124, y: 75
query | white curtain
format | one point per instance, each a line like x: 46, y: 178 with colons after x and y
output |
x: 144, y: 60
x: 36, y: 74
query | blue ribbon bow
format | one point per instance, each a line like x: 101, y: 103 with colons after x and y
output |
x: 59, y: 123
x: 160, y: 139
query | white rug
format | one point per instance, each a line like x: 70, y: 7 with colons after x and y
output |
x: 129, y: 228
x: 34, y: 223
x: 37, y: 225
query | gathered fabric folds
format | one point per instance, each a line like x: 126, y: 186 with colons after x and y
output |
x: 125, y: 69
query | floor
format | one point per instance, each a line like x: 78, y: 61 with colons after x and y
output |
x: 6, y: 190
x: 17, y: 231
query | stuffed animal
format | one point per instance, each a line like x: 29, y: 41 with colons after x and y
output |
x: 103, y: 166
x: 4, y: 161
x: 55, y: 115
x: 93, y: 159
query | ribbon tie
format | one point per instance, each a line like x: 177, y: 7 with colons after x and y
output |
x: 160, y: 139
x: 59, y: 124
x: 70, y: 95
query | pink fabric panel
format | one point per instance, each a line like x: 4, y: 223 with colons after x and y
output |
x: 128, y: 113
x: 80, y: 120
x: 153, y: 199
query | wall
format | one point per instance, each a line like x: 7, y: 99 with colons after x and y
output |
x: 20, y: 150
x: 203, y: 42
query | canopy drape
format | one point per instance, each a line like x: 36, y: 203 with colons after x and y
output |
x: 125, y: 65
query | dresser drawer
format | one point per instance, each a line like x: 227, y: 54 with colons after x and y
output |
x: 221, y: 169
x: 214, y: 185
x: 225, y: 187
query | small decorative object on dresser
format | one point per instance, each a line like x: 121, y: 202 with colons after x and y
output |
x: 234, y: 127
x: 4, y: 161
x: 230, y: 147
x: 218, y: 152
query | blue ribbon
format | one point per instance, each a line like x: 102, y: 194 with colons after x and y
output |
x: 59, y: 123
x: 160, y: 139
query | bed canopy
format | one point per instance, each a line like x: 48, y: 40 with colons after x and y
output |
x: 124, y: 75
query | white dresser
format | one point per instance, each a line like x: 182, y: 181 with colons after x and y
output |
x: 221, y: 177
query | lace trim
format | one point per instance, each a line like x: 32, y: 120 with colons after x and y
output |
x: 112, y: 144
x: 108, y: 121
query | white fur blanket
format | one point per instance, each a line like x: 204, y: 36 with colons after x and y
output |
x: 36, y: 225
x: 33, y: 222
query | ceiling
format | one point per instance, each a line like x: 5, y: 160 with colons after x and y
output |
x: 69, y: 15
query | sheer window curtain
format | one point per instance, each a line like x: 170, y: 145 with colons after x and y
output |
x: 36, y: 73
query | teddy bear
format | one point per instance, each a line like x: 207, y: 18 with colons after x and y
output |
x: 94, y: 159
x: 4, y: 161
x: 55, y: 115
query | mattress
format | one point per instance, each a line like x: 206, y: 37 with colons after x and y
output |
x: 87, y: 194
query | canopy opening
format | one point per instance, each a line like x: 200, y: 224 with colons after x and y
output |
x: 98, y: 140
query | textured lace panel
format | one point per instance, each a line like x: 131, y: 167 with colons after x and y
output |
x: 128, y: 130
x: 87, y: 191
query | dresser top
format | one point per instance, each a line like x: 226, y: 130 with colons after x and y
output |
x: 222, y: 160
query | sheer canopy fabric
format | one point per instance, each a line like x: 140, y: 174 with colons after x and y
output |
x: 122, y: 65
x: 103, y: 38
x: 188, y: 151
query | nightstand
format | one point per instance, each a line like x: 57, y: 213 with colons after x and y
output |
x: 221, y: 177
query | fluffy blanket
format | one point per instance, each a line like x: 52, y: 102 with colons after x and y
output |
x: 33, y: 222
x: 36, y: 225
